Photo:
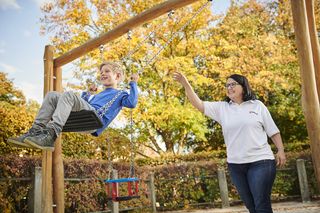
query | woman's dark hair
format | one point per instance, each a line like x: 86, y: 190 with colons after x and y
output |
x: 248, y: 94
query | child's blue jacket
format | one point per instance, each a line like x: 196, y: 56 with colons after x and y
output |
x: 125, y: 99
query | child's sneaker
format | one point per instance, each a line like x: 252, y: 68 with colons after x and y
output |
x: 44, y: 140
x: 19, y: 141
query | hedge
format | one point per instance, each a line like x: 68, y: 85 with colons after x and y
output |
x: 178, y: 185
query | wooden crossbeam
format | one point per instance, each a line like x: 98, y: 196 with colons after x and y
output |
x: 137, y: 20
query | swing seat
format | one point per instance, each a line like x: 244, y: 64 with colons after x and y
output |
x: 123, y: 198
x: 112, y: 189
x: 121, y: 180
x: 84, y: 120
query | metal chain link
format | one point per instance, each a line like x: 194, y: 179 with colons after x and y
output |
x: 110, y: 167
x: 101, y: 48
x: 132, y: 144
x: 131, y: 52
x: 176, y: 33
x: 133, y: 150
x: 132, y: 169
x: 103, y: 110
x: 128, y: 56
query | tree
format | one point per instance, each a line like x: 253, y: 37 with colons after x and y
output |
x: 15, y: 116
x: 161, y: 121
x: 247, y: 41
x: 253, y: 39
x: 8, y: 93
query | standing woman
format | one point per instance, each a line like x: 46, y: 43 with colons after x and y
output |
x: 246, y: 125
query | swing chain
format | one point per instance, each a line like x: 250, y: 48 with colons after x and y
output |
x: 129, y: 36
x: 170, y: 14
x: 128, y: 58
x: 132, y: 143
x: 103, y: 110
x: 177, y: 33
x: 101, y: 48
x: 132, y: 169
x: 110, y: 166
x: 150, y: 36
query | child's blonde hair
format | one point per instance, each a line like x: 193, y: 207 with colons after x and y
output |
x: 115, y: 67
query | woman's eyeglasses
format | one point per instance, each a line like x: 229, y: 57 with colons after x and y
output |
x: 231, y: 85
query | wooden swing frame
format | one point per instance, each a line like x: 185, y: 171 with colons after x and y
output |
x: 308, y: 51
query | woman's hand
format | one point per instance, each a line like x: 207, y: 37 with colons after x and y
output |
x: 178, y: 76
x: 281, y: 158
x: 192, y: 96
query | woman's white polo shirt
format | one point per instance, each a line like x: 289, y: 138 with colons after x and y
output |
x: 245, y: 128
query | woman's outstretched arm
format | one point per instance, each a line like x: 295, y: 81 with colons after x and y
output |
x: 192, y: 96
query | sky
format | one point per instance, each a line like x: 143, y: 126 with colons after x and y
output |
x: 22, y: 46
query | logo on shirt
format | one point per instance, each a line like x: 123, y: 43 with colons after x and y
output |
x: 253, y: 112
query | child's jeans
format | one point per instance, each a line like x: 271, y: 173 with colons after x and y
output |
x: 56, y: 108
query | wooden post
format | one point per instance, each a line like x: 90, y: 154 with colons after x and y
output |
x: 314, y: 42
x: 303, y: 180
x: 310, y: 101
x: 48, y: 69
x: 223, y: 186
x: 57, y: 80
x: 152, y: 193
x: 34, y: 204
x: 46, y: 200
x: 37, y: 190
x: 46, y: 192
x: 57, y: 162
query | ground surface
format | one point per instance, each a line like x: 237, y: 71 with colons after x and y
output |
x: 283, y: 207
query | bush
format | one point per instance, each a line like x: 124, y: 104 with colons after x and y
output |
x: 186, y: 184
x: 178, y: 184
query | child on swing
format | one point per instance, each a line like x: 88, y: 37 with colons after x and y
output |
x: 56, y: 108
